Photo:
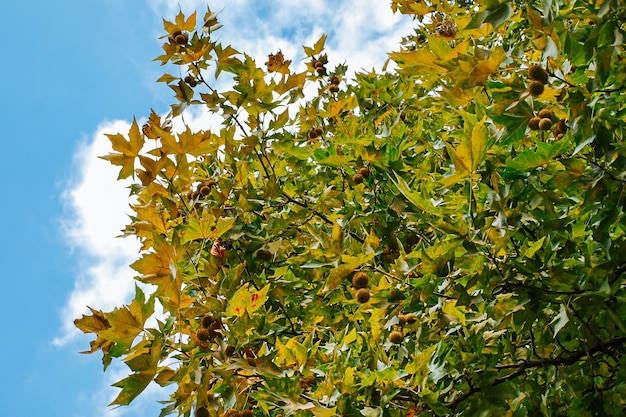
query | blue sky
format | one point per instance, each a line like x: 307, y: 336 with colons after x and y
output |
x: 71, y: 71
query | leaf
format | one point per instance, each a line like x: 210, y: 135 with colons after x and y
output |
x: 127, y: 322
x: 414, y: 198
x: 544, y: 153
x: 93, y: 323
x: 246, y: 301
x: 127, y: 150
x: 277, y: 63
x: 560, y: 320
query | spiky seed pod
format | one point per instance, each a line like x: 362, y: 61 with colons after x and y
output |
x: 545, y: 124
x: 229, y: 350
x: 360, y: 280
x: 533, y: 123
x: 203, y: 334
x: 204, y: 190
x: 318, y: 64
x: 333, y: 88
x: 312, y: 134
x: 537, y: 73
x: 201, y: 412
x: 364, y: 171
x: 181, y: 38
x: 206, y: 321
x: 264, y: 255
x: 320, y: 70
x: 447, y: 29
x: 334, y: 80
x: 410, y: 318
x: 535, y: 88
x: 319, y: 131
x: 216, y: 324
x: 363, y: 295
x: 412, y: 239
x: 396, y: 337
x: 246, y: 413
x: 357, y: 178
x: 545, y: 114
x: 561, y: 126
x: 402, y: 319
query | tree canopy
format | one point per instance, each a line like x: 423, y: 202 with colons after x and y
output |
x: 446, y: 237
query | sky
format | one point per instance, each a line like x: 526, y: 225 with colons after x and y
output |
x: 73, y: 71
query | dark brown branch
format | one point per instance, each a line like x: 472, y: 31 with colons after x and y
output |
x: 520, y: 368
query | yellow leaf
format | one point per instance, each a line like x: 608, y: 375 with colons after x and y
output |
x: 454, y: 313
x: 245, y: 300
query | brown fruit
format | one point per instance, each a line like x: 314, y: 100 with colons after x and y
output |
x: 364, y: 171
x: 360, y: 280
x: 412, y: 239
x: 545, y: 114
x: 363, y: 295
x: 561, y: 126
x: 357, y: 178
x: 230, y: 350
x: 334, y: 80
x: 410, y: 318
x: 246, y: 413
x: 312, y: 134
x: 203, y: 334
x: 201, y: 412
x: 537, y: 73
x: 396, y: 337
x: 533, y: 123
x: 319, y: 131
x: 204, y: 190
x: 535, y: 88
x: 264, y: 255
x: 206, y: 321
x: 333, y: 88
x: 545, y: 124
x: 318, y: 64
x: 181, y: 38
x: 320, y: 70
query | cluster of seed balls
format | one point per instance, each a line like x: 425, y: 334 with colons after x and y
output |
x: 319, y: 65
x: 538, y: 77
x: 178, y: 37
x: 396, y: 336
x: 545, y: 120
x: 360, y: 282
x: 209, y: 328
x: 202, y: 190
x: 361, y: 174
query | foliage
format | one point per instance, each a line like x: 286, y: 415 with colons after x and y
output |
x: 494, y: 251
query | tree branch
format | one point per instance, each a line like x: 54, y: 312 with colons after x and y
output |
x: 520, y: 368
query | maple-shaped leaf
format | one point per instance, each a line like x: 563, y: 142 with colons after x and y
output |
x: 144, y: 364
x: 127, y: 150
x: 92, y: 323
x: 277, y: 63
x: 246, y: 300
x: 128, y: 321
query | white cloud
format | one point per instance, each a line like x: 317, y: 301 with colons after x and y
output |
x: 97, y: 207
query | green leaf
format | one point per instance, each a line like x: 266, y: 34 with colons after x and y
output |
x: 543, y: 154
x: 413, y: 197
